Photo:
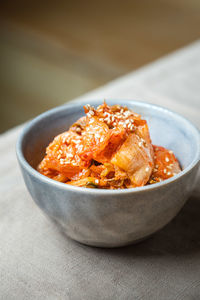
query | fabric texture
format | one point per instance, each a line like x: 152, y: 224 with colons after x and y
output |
x: 37, y: 261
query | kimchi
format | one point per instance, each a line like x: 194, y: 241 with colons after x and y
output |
x: 108, y: 148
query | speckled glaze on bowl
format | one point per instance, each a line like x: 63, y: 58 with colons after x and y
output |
x: 110, y: 218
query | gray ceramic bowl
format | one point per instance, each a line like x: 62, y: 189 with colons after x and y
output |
x: 110, y: 218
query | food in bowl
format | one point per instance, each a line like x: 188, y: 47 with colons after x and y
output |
x: 109, y: 148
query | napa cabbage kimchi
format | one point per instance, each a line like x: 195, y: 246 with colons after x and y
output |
x: 108, y: 148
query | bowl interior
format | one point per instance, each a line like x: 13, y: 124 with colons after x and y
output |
x: 167, y: 129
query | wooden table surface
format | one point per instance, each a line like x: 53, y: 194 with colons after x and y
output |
x: 37, y: 262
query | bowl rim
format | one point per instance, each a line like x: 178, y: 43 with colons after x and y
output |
x: 74, y: 104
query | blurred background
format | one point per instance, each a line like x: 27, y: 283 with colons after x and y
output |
x: 54, y: 51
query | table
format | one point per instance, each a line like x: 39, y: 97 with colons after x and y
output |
x: 38, y: 262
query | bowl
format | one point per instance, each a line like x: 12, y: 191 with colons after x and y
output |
x: 110, y: 218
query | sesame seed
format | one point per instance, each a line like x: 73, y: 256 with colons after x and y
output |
x: 156, y: 166
x: 76, y: 141
x: 171, y: 152
x: 166, y: 159
x: 80, y: 147
x: 147, y: 169
x: 165, y: 171
x: 168, y: 173
x: 107, y: 114
x: 140, y: 144
x: 107, y: 120
x: 127, y: 113
x: 96, y: 181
